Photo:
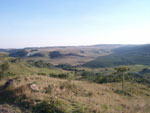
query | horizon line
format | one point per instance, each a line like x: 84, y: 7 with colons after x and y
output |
x: 69, y: 46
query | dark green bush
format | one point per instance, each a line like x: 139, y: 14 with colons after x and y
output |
x: 59, y: 75
x: 41, y: 73
x: 52, y: 106
x: 67, y: 67
x: 4, y: 69
x: 40, y: 64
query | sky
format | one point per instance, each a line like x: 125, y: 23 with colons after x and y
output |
x: 39, y: 23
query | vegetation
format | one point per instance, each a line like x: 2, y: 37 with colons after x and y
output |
x: 3, y: 69
x: 62, y: 75
x: 37, y: 55
x: 18, y: 53
x: 63, y: 96
x: 51, y: 106
x: 66, y: 67
x: 121, y: 71
x: 44, y: 85
x: 55, y: 54
x: 40, y: 64
x: 126, y: 55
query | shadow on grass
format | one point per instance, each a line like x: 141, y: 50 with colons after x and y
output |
x: 9, y: 97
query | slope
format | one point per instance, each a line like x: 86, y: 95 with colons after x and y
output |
x: 125, y: 55
x: 74, y: 96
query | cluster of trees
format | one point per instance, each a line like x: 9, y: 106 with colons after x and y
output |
x: 67, y: 67
x: 55, y: 54
x: 37, y: 55
x: 15, y: 60
x: 119, y: 76
x: 63, y: 75
x: 144, y: 71
x: 18, y: 53
x: 40, y: 64
x: 3, y: 69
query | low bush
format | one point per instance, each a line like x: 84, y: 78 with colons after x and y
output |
x: 52, y: 106
x: 41, y: 73
x: 68, y: 85
x: 40, y: 64
x: 66, y: 67
x: 59, y: 75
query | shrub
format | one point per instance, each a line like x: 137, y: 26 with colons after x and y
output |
x: 41, y: 73
x: 67, y: 67
x: 59, y: 75
x: 52, y: 106
x: 3, y: 69
x: 40, y: 64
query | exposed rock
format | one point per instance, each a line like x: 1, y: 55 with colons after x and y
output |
x: 33, y: 87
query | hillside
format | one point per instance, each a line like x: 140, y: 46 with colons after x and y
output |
x: 104, y: 55
x: 73, y: 55
x: 66, y: 96
x: 124, y: 55
x: 35, y: 85
x: 19, y: 66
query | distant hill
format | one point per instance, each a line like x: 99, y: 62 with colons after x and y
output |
x: 19, y: 66
x: 102, y: 55
x: 18, y: 53
x: 124, y: 55
x: 57, y: 54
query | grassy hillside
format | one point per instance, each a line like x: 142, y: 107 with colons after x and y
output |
x: 49, y: 80
x: 66, y: 96
x: 19, y: 66
x: 34, y: 85
x: 125, y: 55
x: 74, y: 55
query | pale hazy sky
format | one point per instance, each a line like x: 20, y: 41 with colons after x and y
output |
x: 30, y: 23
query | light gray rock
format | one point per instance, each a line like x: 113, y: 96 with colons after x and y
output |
x: 34, y: 87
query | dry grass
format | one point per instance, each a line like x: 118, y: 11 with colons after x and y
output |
x: 89, y: 53
x: 95, y: 98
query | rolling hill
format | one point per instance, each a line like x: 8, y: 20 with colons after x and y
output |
x: 44, y: 80
x: 73, y: 55
x: 54, y: 95
x: 124, y: 55
x: 103, y: 55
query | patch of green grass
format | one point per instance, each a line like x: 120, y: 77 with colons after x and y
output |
x: 52, y: 106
